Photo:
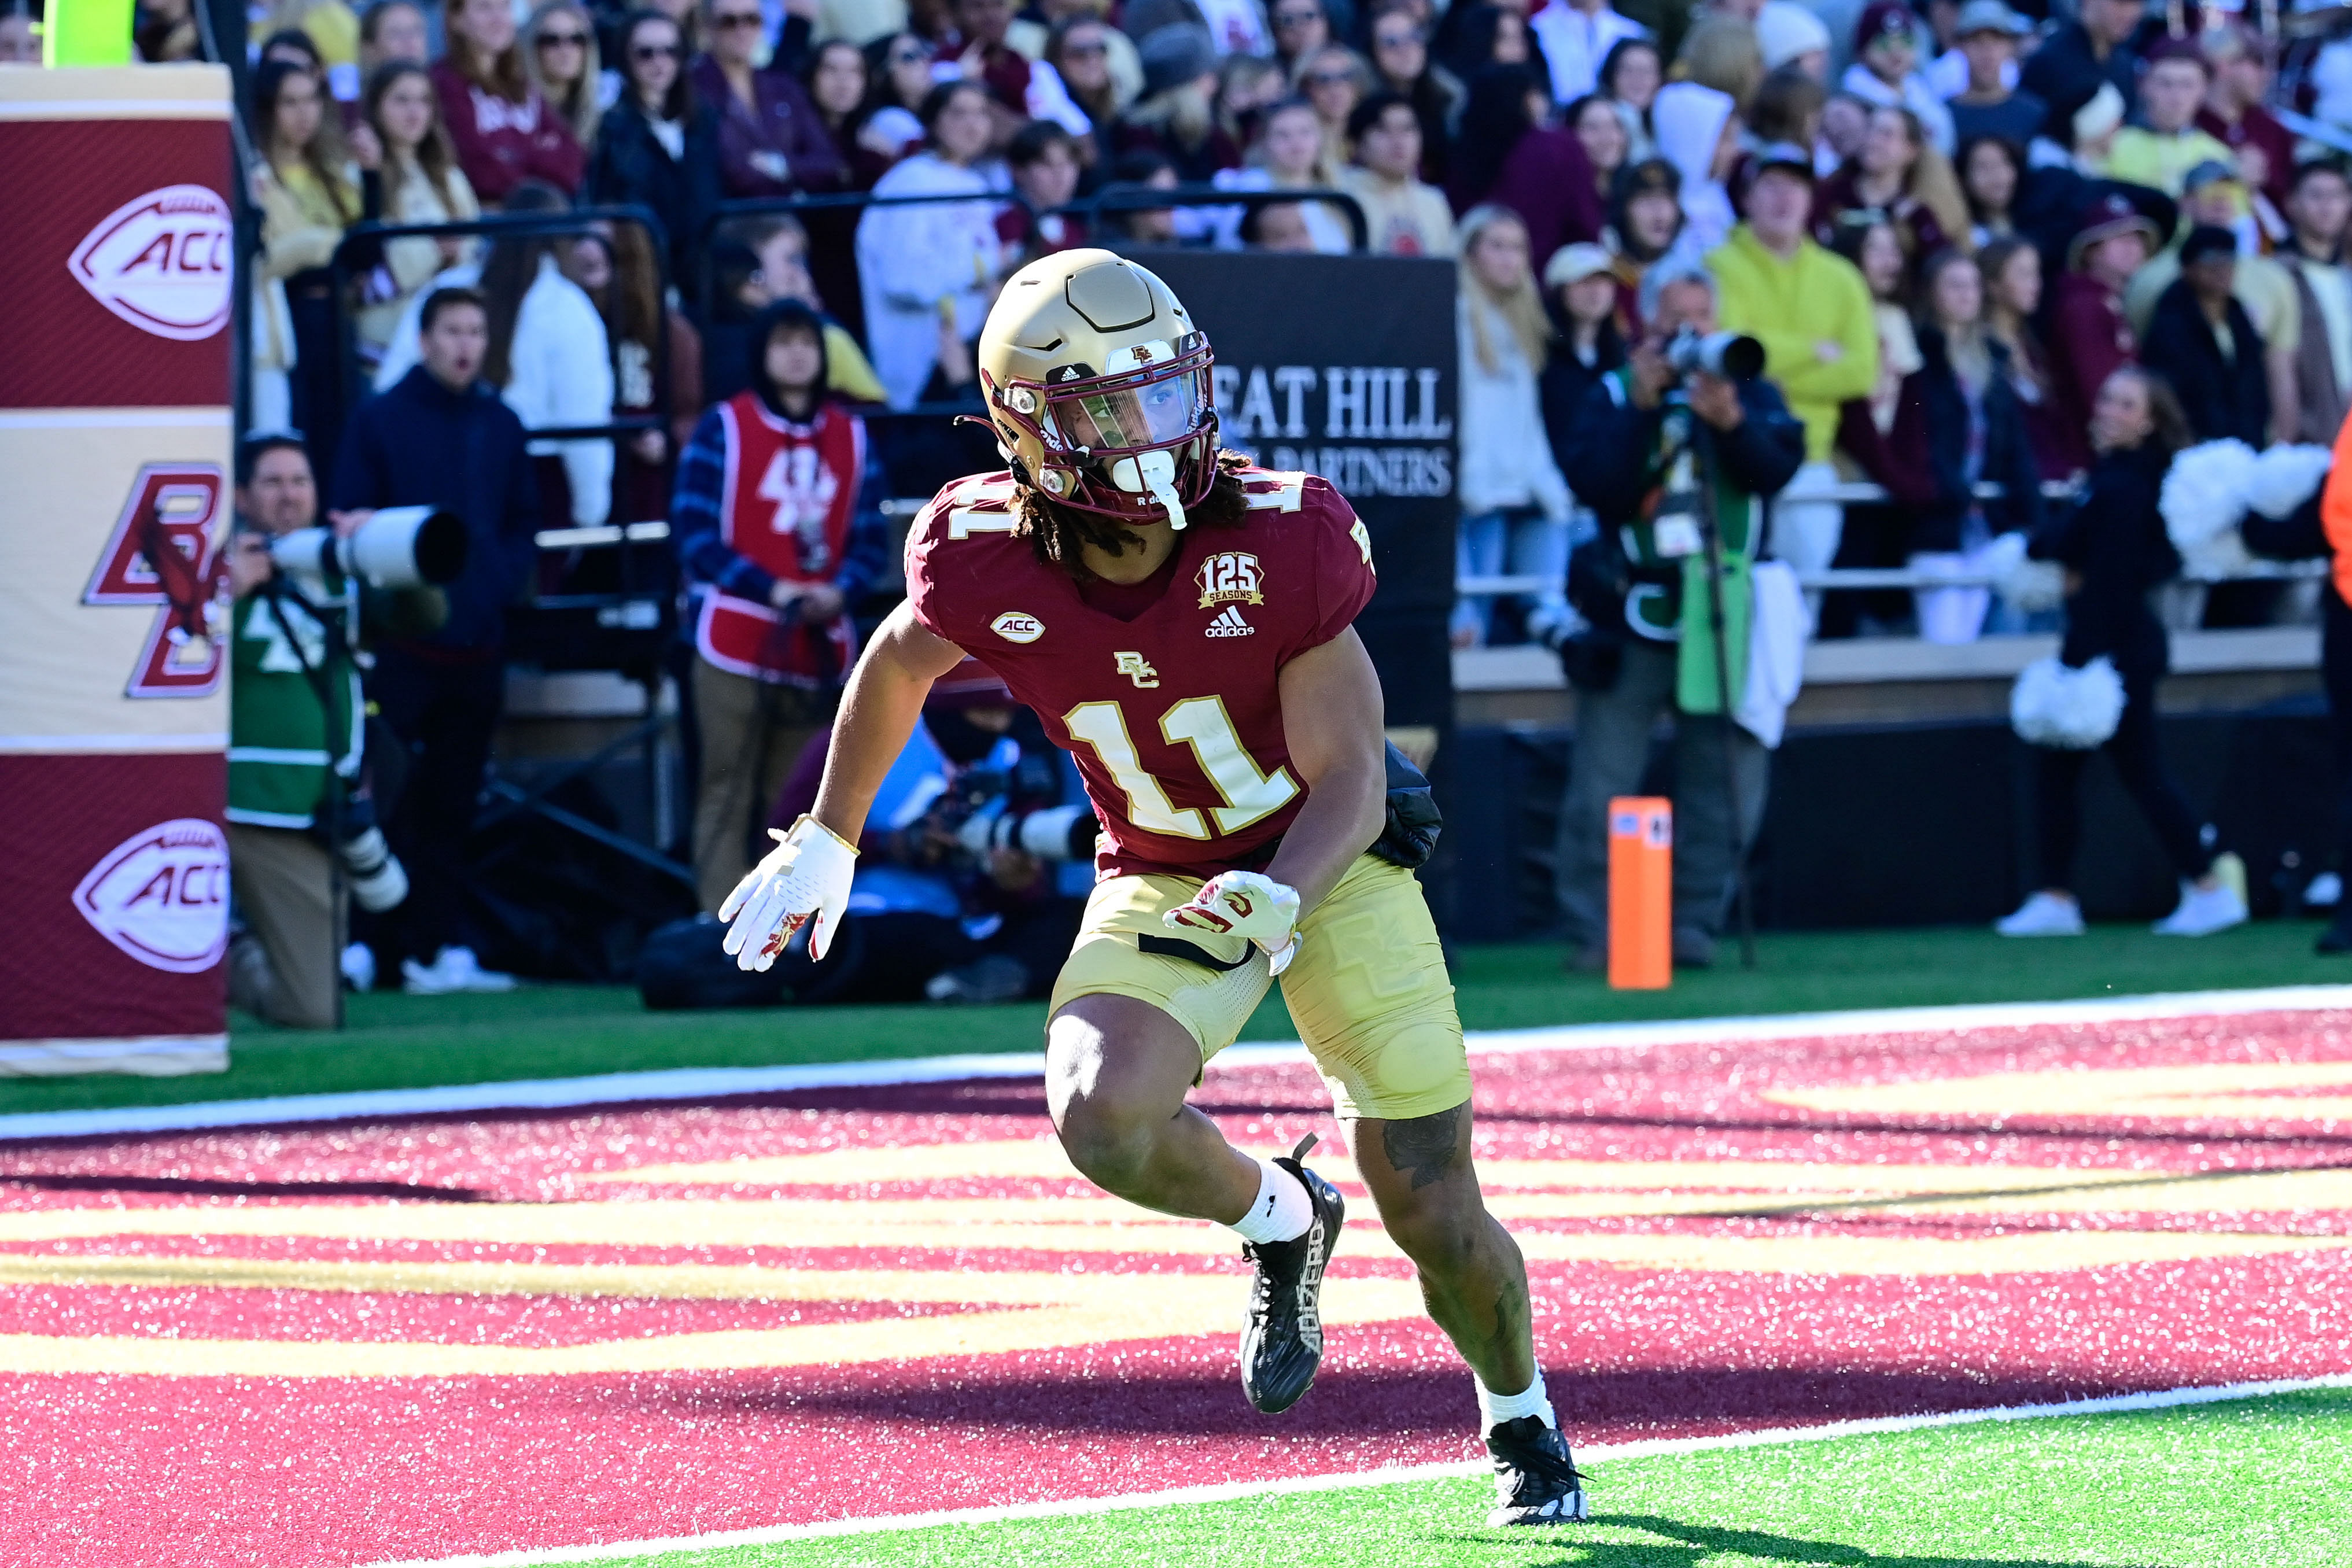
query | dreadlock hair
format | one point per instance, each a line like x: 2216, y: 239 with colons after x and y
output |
x: 1059, y: 534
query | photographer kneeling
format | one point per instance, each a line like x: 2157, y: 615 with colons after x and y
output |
x: 1678, y: 463
x: 297, y: 785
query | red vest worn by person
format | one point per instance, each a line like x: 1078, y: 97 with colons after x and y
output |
x: 785, y: 504
x: 1174, y: 718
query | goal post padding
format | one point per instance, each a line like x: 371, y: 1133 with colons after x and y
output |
x: 115, y: 445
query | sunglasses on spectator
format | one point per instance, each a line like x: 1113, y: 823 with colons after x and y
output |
x: 1331, y: 78
x: 654, y: 51
x: 1296, y: 18
x: 1086, y: 51
x: 563, y: 40
x: 1397, y: 40
x: 908, y: 56
x: 735, y: 19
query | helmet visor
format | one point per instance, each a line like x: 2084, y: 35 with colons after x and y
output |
x: 1152, y: 414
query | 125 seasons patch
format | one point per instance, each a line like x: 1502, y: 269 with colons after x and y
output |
x: 1230, y: 576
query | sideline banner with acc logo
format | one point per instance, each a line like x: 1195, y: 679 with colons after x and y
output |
x: 115, y: 442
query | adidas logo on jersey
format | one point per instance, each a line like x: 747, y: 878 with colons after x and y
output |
x: 1229, y: 623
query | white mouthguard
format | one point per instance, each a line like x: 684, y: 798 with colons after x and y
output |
x: 1155, y: 473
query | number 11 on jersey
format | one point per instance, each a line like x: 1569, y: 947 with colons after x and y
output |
x: 1203, y: 724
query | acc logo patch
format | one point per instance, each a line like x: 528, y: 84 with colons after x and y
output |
x: 1230, y: 577
x: 1015, y: 627
x: 162, y: 261
x: 162, y: 895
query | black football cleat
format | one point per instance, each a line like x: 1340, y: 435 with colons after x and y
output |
x: 1282, y: 1343
x: 1534, y: 1480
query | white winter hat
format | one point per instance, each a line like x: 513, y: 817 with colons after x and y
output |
x: 1785, y: 30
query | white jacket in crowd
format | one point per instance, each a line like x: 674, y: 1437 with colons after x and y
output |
x: 1505, y: 457
x: 1576, y: 41
x: 912, y: 259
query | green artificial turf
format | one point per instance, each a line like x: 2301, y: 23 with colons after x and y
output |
x: 560, y: 1031
x: 2253, y: 1484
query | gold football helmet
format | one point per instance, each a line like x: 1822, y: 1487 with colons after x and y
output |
x: 1098, y: 387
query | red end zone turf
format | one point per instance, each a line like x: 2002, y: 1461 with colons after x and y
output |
x: 362, y: 1341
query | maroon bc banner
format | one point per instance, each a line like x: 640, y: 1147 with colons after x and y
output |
x: 114, y: 437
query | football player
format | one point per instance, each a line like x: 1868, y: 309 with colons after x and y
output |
x: 1180, y: 622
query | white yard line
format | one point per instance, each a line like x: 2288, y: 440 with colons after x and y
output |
x: 1231, y: 1491
x: 717, y: 1082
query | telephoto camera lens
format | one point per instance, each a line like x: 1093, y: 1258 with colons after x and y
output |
x: 378, y: 879
x: 1050, y: 833
x: 399, y: 547
x: 1734, y: 356
x: 1060, y: 833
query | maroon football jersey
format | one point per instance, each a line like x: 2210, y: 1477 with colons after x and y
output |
x: 1175, y: 716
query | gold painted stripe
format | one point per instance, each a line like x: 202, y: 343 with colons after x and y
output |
x: 1042, y: 1159
x: 692, y: 1282
x: 2026, y: 1252
x: 1108, y: 1311
x: 1106, y: 1225
x: 1094, y: 1309
x: 2241, y: 1091
x: 1811, y: 1253
x: 997, y: 1159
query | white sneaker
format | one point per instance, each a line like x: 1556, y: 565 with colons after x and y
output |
x: 2203, y: 911
x: 453, y: 969
x: 359, y: 967
x: 2042, y: 914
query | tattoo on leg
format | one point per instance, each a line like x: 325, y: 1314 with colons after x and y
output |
x: 1423, y: 1147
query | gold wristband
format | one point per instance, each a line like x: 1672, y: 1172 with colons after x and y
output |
x: 810, y: 819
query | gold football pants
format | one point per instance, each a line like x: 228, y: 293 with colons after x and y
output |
x: 1367, y: 990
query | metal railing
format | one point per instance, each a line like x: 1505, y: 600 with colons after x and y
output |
x: 1860, y: 579
x: 1855, y: 579
x: 1132, y: 197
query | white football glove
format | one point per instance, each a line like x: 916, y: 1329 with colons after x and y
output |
x: 1245, y: 904
x: 805, y: 878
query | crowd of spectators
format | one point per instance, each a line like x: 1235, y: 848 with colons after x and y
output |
x: 1955, y: 234
x: 2076, y: 163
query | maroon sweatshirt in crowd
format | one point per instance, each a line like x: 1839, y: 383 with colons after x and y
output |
x: 782, y: 121
x: 501, y: 143
x: 2090, y: 339
x: 1548, y: 181
x: 2259, y: 128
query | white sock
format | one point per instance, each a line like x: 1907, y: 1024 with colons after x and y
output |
x: 1281, y: 1211
x: 1494, y: 1408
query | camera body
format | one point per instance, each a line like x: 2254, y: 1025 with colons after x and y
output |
x: 1734, y: 356
x: 399, y: 547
